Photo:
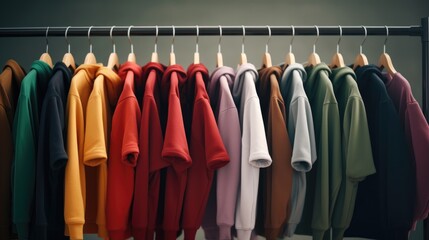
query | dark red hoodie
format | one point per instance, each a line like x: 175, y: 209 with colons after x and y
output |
x: 208, y: 152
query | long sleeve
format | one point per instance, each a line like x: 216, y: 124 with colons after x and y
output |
x: 75, y: 191
x: 24, y: 165
x: 417, y: 130
x: 51, y: 161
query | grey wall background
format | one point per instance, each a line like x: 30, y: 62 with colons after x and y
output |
x: 404, y: 51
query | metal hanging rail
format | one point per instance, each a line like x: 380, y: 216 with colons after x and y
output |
x: 82, y: 31
x: 421, y: 31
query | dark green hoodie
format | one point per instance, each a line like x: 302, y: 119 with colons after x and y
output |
x: 324, y: 180
x: 25, y: 134
x: 356, y: 153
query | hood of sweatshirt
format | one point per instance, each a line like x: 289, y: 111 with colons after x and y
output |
x: 295, y: 70
x: 214, y: 82
x: 314, y: 74
x: 339, y: 74
x: 243, y: 70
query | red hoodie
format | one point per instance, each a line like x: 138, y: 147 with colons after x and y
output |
x: 149, y: 163
x: 175, y: 152
x: 207, y: 149
x: 124, y: 150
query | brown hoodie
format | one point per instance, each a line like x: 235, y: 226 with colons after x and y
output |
x: 10, y: 84
x: 275, y: 181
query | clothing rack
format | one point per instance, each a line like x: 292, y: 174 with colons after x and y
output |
x: 421, y: 30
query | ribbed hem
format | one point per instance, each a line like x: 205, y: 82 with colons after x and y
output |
x: 338, y: 233
x: 318, y: 234
x: 211, y: 233
x: 23, y: 229
x: 119, y: 234
x: 225, y: 232
x: 75, y: 231
x: 169, y: 235
x: 290, y: 230
x: 244, y: 234
x: 190, y: 234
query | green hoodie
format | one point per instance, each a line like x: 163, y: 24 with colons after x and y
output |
x: 324, y: 180
x: 356, y: 153
x: 25, y: 134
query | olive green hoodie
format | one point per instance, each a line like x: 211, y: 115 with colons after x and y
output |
x: 356, y: 153
x: 324, y: 180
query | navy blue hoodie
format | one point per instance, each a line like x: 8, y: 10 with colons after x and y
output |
x: 384, y: 202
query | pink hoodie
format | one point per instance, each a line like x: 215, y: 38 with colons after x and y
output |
x: 220, y: 210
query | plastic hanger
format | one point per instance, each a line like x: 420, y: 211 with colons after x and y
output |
x: 290, y: 57
x: 266, y: 59
x: 197, y: 54
x: 154, y: 57
x: 243, y: 57
x: 219, y: 58
x: 68, y: 58
x: 361, y: 59
x: 90, y: 57
x: 113, y: 62
x: 337, y: 59
x: 45, y: 57
x: 385, y: 61
x: 172, y: 55
x: 314, y: 58
x: 131, y: 55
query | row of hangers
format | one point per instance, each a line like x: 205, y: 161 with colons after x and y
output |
x: 337, y: 61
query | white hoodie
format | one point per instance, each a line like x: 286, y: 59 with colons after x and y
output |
x: 254, y: 149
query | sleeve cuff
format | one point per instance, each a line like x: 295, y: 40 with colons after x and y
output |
x: 244, y: 233
x: 75, y: 231
x: 260, y: 159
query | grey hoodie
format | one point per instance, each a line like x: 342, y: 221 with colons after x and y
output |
x: 301, y: 133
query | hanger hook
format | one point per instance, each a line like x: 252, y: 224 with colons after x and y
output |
x: 172, y: 41
x: 67, y: 40
x: 385, y: 40
x: 269, y: 38
x: 220, y: 39
x: 156, y: 38
x: 317, y: 38
x: 111, y: 38
x: 196, y: 43
x: 364, y: 39
x: 46, y: 39
x: 339, y: 39
x: 244, y: 36
x: 291, y: 41
x: 89, y: 39
x: 129, y: 38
